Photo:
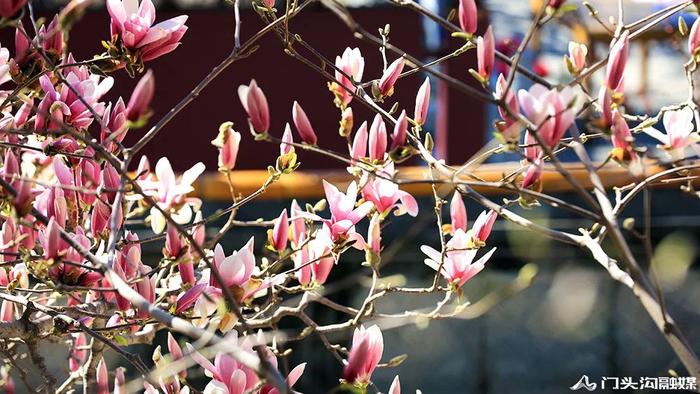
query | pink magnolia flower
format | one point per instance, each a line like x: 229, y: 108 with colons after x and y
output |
x: 175, y: 352
x: 623, y: 149
x: 385, y: 195
x: 24, y: 193
x: 617, y: 60
x: 482, y: 226
x: 353, y: 65
x: 577, y: 57
x: 459, y: 265
x: 119, y: 382
x: 228, y: 141
x: 138, y: 109
x: 51, y: 38
x: 4, y: 65
x: 297, y: 224
x: 280, y: 232
x: 255, y: 104
x: 422, y: 102
x: 680, y: 133
x: 314, y: 261
x: 556, y: 3
x: 102, y: 377
x: 458, y: 213
x: 301, y: 122
x: 115, y: 119
x: 231, y: 377
x: 22, y: 44
x: 10, y: 240
x: 174, y: 242
x: 146, y: 288
x: 551, y: 111
x: 511, y: 131
x: 133, y: 24
x: 235, y: 269
x: 532, y: 173
x: 344, y: 215
x: 468, y: 16
x: 485, y: 51
x: 377, y: 139
x: 8, y: 8
x: 358, y: 150
x: 171, y: 193
x: 365, y: 353
x: 694, y: 37
x: 374, y: 234
x: 390, y: 76
x: 78, y: 353
x: 395, y: 387
x: 63, y: 106
x: 286, y: 146
x: 398, y: 137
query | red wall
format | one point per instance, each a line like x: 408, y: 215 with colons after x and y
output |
x: 186, y: 139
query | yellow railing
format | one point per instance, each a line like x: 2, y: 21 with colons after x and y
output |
x: 307, y: 184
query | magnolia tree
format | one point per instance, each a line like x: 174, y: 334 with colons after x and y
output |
x: 71, y: 265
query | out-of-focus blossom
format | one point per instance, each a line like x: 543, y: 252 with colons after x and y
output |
x: 102, y: 377
x: 119, y: 382
x: 532, y: 174
x: 132, y: 24
x: 4, y: 65
x: 353, y: 65
x: 459, y: 265
x: 551, y: 111
x: 302, y: 124
x: 390, y: 76
x: 485, y: 51
x: 694, y: 38
x: 555, y: 4
x: 422, y: 102
x: 468, y: 16
x: 9, y: 8
x: 395, y: 387
x: 365, y: 353
x: 228, y: 141
x: 255, y: 104
x: 605, y: 102
x: 680, y: 133
x: 78, y: 353
x: 617, y: 60
x: 510, y: 129
x: 576, y: 61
